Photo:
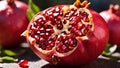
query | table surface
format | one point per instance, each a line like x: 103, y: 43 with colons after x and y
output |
x: 35, y: 62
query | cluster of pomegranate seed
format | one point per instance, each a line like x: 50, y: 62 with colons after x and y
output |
x: 80, y: 23
x: 56, y: 22
x: 66, y: 43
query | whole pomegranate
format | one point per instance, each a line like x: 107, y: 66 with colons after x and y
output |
x: 67, y: 34
x: 112, y: 18
x: 13, y: 21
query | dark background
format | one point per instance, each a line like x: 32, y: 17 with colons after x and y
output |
x: 97, y: 5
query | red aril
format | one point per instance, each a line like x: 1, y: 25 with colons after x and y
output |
x: 68, y: 34
x: 23, y: 63
x: 13, y: 21
x: 112, y: 18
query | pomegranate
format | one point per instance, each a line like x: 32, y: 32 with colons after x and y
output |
x: 112, y: 18
x: 13, y: 21
x: 67, y: 34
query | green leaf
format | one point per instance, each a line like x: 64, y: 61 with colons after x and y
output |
x: 32, y: 10
x: 30, y: 14
x: 7, y: 59
x: 109, y: 50
x: 9, y: 53
x: 33, y: 6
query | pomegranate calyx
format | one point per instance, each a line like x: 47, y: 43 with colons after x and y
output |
x: 115, y: 9
x: 10, y: 1
x: 83, y: 4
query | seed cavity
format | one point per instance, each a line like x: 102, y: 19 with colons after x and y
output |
x: 65, y: 43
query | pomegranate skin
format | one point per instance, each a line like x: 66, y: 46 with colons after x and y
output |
x: 112, y: 18
x: 13, y: 21
x: 86, y: 50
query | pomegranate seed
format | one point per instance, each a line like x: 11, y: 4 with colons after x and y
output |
x: 59, y: 26
x: 38, y: 32
x: 70, y: 47
x: 52, y: 44
x: 48, y: 30
x: 66, y: 42
x: 43, y: 47
x: 57, y: 49
x: 54, y: 38
x: 89, y: 26
x: 68, y: 36
x: 23, y: 63
x: 64, y: 47
x: 45, y: 25
x: 86, y: 19
x: 48, y: 47
x: 55, y: 14
x: 47, y: 34
x: 77, y: 32
x: 42, y: 40
x: 64, y: 21
x: 37, y: 37
x: 85, y: 31
x: 71, y: 42
x: 73, y: 29
x: 41, y: 29
x: 58, y: 44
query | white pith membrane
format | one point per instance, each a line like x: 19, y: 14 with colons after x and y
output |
x: 51, y: 53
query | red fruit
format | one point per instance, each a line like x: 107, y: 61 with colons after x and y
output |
x: 67, y: 34
x: 23, y: 63
x: 112, y: 17
x: 13, y: 21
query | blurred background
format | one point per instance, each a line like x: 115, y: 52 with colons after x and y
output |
x: 97, y: 5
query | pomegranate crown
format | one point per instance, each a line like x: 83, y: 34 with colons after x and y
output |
x: 115, y: 9
x: 79, y: 4
x: 10, y: 1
